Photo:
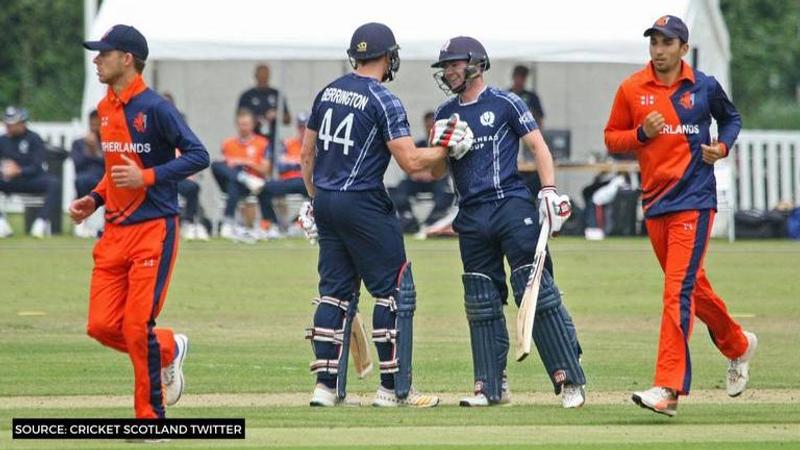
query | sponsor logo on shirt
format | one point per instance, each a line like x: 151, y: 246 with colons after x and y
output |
x: 526, y: 118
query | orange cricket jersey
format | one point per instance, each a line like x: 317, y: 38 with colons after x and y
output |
x: 674, y: 175
x: 145, y: 128
x: 253, y: 150
x: 289, y: 166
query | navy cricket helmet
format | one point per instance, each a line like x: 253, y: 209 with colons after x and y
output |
x: 461, y: 48
x: 373, y: 40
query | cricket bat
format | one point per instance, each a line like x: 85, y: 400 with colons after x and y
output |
x: 359, y: 347
x: 527, y: 308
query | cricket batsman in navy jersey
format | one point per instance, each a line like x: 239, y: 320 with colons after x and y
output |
x: 356, y: 125
x: 497, y: 219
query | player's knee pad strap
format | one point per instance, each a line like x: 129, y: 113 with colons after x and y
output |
x: 488, y: 333
x: 384, y: 334
x: 555, y: 337
x: 330, y: 338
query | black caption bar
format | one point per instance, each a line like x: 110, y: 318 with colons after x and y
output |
x: 128, y: 428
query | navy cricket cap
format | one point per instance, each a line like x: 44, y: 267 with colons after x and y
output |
x: 13, y: 115
x: 462, y: 48
x: 671, y: 27
x: 124, y: 38
x: 371, y: 40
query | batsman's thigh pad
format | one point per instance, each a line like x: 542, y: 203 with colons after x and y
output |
x: 330, y: 338
x: 488, y: 333
x: 555, y: 337
x: 393, y: 333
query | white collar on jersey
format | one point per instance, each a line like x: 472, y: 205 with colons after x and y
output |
x: 476, y: 98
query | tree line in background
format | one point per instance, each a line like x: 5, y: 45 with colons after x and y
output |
x: 41, y: 59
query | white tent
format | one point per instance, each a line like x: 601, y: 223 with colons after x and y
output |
x: 204, y: 51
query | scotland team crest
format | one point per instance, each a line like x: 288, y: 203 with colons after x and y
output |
x: 487, y: 119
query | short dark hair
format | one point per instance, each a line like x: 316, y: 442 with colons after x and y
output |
x: 93, y: 114
x: 138, y: 64
x: 520, y: 71
x: 428, y: 115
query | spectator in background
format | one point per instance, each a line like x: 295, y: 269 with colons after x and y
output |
x: 244, y: 171
x: 22, y: 170
x: 417, y: 184
x: 262, y: 101
x: 191, y: 223
x: 87, y: 157
x: 519, y: 78
x: 290, y: 177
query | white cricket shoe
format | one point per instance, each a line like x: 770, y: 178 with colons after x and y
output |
x: 324, y: 396
x: 172, y: 375
x: 5, y: 228
x: 657, y: 399
x: 573, y: 396
x: 739, y: 368
x: 386, y: 398
x: 253, y: 183
x: 200, y: 232
x: 227, y: 231
x: 274, y: 232
x: 40, y: 228
x: 189, y: 231
x: 480, y: 399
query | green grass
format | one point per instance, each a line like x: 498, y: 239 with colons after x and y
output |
x: 245, y: 309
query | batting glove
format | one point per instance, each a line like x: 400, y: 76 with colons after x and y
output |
x: 308, y: 223
x: 554, y: 208
x: 453, y: 133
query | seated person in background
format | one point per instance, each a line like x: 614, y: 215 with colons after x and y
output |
x: 243, y: 172
x: 22, y: 159
x: 598, y: 198
x: 189, y: 189
x: 87, y: 157
x: 416, y: 184
x: 290, y: 178
x: 191, y: 226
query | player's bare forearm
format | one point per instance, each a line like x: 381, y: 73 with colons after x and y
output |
x: 439, y: 170
x: 541, y: 154
x: 307, y: 156
x: 412, y: 159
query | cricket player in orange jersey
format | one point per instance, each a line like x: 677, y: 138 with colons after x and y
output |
x: 139, y: 132
x: 663, y: 113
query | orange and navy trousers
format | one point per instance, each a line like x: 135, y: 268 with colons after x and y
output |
x: 680, y: 240
x: 132, y: 269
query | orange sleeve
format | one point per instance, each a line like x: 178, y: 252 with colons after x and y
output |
x: 621, y: 134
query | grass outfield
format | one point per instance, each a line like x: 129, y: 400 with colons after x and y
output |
x: 245, y: 309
